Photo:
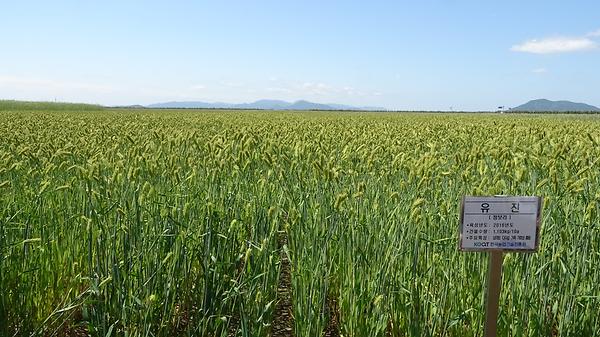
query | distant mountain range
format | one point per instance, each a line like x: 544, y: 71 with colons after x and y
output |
x: 265, y: 104
x: 543, y: 105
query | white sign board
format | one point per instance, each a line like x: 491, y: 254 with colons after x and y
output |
x: 500, y: 223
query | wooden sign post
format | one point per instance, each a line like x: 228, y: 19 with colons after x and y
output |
x: 494, y: 284
x: 496, y: 225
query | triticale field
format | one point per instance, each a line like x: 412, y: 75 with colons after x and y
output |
x: 245, y: 223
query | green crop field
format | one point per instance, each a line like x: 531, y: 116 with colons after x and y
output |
x: 230, y: 223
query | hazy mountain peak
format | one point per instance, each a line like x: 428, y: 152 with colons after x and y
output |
x: 539, y: 105
x: 263, y: 104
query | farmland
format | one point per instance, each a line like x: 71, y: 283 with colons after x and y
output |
x: 229, y: 223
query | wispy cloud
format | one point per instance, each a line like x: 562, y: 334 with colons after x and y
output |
x: 35, y: 88
x: 555, y: 45
x: 279, y: 90
x: 594, y: 33
x: 232, y: 84
x: 539, y: 70
x: 37, y: 83
x: 323, y: 89
x: 560, y: 44
x: 317, y: 88
x: 197, y: 87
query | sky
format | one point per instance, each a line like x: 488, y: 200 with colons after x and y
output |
x: 403, y: 55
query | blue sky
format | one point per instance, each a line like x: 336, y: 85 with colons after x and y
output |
x: 412, y: 55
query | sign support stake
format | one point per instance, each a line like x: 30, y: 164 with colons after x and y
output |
x: 494, y: 283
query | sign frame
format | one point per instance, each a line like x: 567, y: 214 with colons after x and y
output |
x: 538, y: 222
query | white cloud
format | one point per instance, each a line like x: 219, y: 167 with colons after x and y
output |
x: 24, y: 83
x: 322, y: 89
x: 44, y: 89
x: 232, y: 84
x: 317, y: 88
x: 34, y: 88
x: 594, y: 33
x: 279, y: 90
x: 555, y: 45
x: 539, y: 70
